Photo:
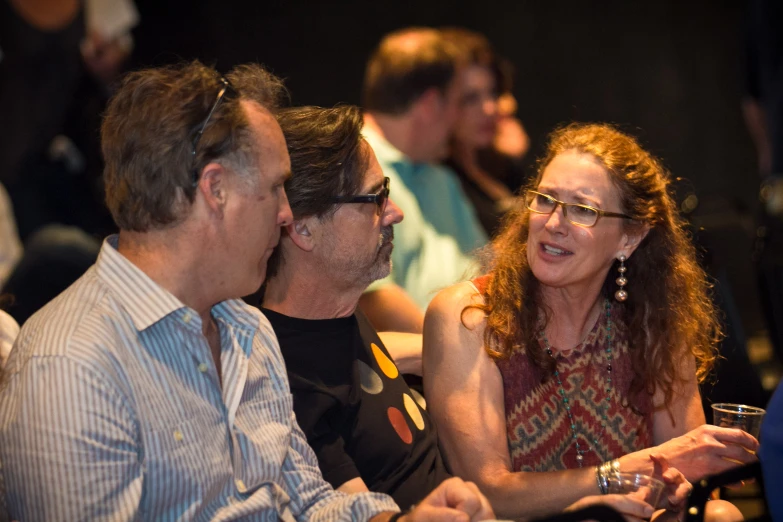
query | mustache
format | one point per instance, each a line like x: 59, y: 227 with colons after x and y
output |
x: 387, y: 234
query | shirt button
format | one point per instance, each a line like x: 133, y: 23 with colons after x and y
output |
x: 240, y: 486
x: 178, y: 436
x: 186, y: 317
x: 203, y: 367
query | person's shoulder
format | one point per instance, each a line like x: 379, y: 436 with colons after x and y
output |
x: 53, y: 328
x: 457, y: 303
x: 81, y: 326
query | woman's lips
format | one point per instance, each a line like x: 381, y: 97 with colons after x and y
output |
x: 554, y: 251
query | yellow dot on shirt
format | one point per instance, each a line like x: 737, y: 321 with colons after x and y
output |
x: 178, y: 436
x: 419, y: 399
x: 413, y: 411
x: 386, y: 365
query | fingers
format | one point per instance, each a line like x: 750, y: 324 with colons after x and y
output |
x: 734, y: 436
x: 456, y: 496
x: 737, y: 453
x: 485, y: 511
x: 437, y: 514
x: 660, y: 464
x: 631, y: 507
x: 678, y: 498
x: 628, y: 506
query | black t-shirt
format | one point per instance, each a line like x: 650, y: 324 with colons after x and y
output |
x: 355, y: 408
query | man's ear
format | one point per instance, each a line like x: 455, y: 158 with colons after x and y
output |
x: 301, y: 233
x: 632, y: 239
x: 429, y: 103
x: 213, y: 187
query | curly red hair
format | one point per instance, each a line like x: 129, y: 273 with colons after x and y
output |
x: 669, y: 309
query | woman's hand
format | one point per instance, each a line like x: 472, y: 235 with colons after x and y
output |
x: 631, y: 507
x: 708, y: 450
x: 677, y: 488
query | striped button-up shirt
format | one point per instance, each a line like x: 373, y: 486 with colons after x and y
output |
x: 111, y: 409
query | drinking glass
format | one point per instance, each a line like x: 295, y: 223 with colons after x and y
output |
x: 746, y: 418
x: 649, y: 488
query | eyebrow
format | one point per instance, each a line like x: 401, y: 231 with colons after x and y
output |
x: 582, y: 200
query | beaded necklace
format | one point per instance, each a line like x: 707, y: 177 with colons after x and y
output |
x: 566, y: 403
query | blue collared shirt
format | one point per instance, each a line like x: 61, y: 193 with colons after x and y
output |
x: 111, y: 409
x: 434, y: 243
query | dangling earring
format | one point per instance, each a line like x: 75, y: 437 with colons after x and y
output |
x: 621, y: 295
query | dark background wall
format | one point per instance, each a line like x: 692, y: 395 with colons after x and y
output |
x: 669, y: 72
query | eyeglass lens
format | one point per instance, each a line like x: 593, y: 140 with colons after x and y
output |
x: 574, y: 213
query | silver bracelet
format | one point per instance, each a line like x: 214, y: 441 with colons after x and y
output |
x: 602, y: 473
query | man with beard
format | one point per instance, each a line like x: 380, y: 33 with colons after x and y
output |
x: 147, y: 390
x: 369, y: 430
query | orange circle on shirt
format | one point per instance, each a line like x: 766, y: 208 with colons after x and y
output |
x: 399, y: 424
x: 387, y: 366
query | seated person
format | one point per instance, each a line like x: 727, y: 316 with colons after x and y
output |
x: 411, y: 99
x: 581, y: 350
x: 148, y: 390
x: 489, y: 176
x: 368, y: 429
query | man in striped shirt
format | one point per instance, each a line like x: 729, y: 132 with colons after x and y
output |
x: 147, y: 390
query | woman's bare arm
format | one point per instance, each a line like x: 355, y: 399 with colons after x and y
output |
x: 464, y: 390
x: 679, y: 432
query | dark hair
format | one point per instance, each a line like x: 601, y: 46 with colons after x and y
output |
x: 669, y: 310
x: 405, y: 65
x: 327, y: 160
x: 148, y: 130
x: 475, y: 49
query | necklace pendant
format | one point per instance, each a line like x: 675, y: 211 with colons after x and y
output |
x: 579, y: 459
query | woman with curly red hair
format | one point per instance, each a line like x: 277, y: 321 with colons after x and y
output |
x: 581, y: 351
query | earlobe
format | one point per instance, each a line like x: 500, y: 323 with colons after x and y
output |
x: 212, y: 187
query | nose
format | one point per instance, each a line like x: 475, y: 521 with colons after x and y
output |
x: 556, y: 221
x: 393, y: 214
x: 285, y: 215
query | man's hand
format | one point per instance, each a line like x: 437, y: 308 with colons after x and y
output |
x: 453, y: 501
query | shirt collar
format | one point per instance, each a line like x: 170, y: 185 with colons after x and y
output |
x: 147, y: 302
x: 142, y: 298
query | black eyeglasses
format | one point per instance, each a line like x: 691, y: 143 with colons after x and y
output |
x: 226, y: 91
x: 582, y: 215
x: 380, y: 198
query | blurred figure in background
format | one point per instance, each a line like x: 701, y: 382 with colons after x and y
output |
x: 489, y: 141
x: 411, y: 102
x: 762, y: 107
x: 58, y: 61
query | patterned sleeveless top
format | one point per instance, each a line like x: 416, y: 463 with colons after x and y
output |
x: 540, y: 434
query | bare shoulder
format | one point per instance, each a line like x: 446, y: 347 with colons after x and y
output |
x: 455, y: 305
x: 453, y: 324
